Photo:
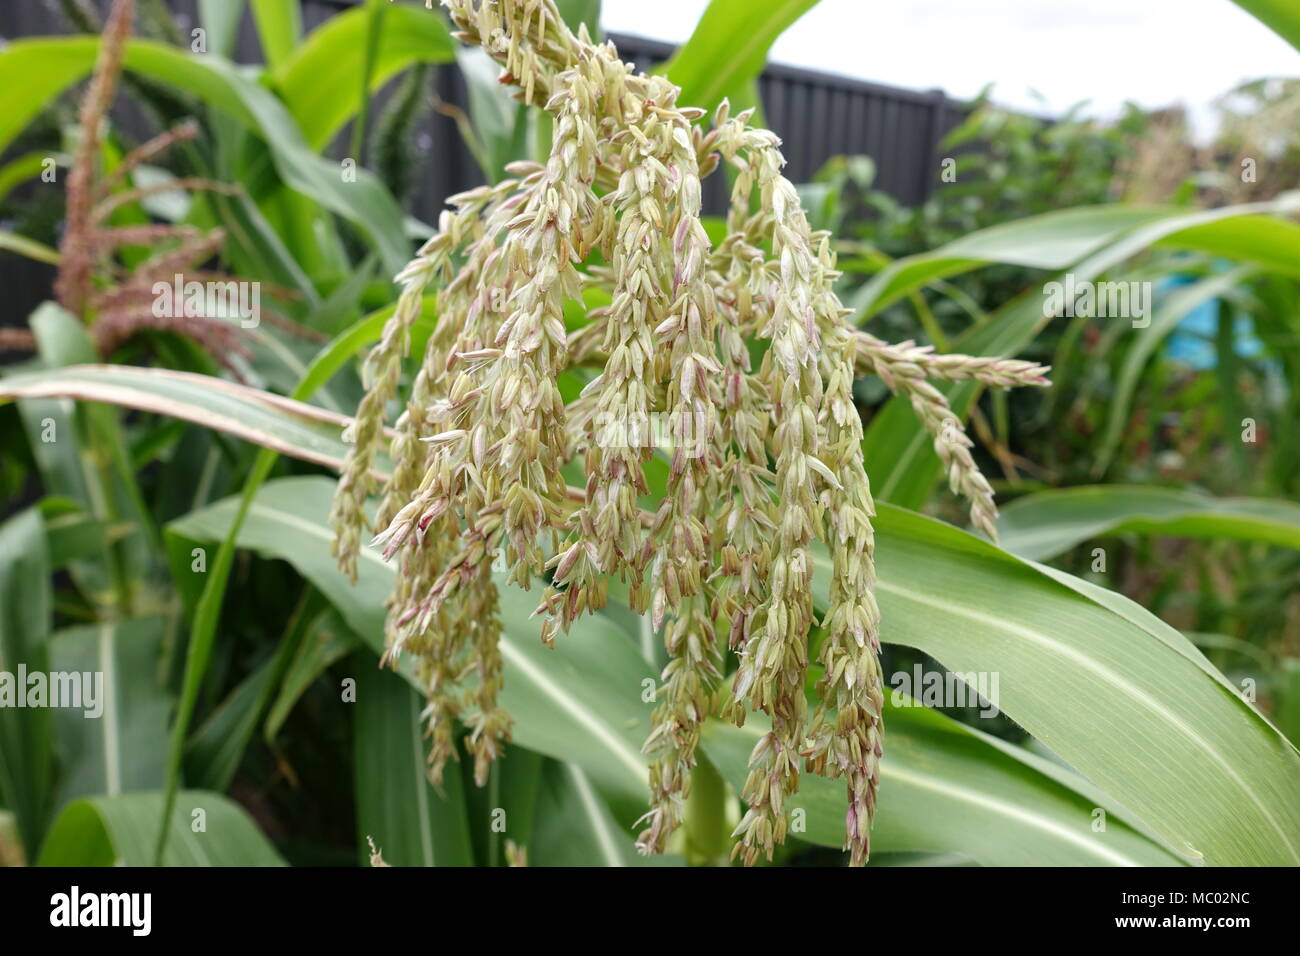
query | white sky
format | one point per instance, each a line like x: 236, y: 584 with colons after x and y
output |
x: 1155, y: 52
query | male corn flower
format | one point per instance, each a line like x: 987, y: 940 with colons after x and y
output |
x: 766, y: 462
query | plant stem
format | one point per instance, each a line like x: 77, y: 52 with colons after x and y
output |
x: 374, y: 33
x: 707, y: 833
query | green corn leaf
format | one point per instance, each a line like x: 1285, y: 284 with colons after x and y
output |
x: 1043, y: 525
x: 728, y: 50
x: 263, y: 418
x: 214, y: 752
x: 576, y: 13
x: 286, y: 425
x: 1052, y: 241
x: 1289, y: 699
x: 122, y: 749
x: 26, y: 167
x: 207, y: 829
x: 505, y: 809
x: 321, y: 82
x: 1127, y: 705
x: 28, y: 248
x: 1281, y: 16
x: 410, y: 822
x: 26, y: 734
x: 221, y: 19
x: 328, y: 640
x: 574, y: 827
x: 279, y: 26
x: 965, y: 792
x: 82, y: 456
x: 898, y: 452
x: 1119, y: 695
x: 74, y: 535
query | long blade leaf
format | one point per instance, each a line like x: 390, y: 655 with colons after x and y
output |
x: 1041, y: 526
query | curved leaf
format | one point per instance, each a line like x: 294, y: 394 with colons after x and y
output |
x: 947, y: 788
x: 574, y: 827
x: 86, y: 436
x: 1050, y: 241
x: 1281, y: 16
x: 272, y: 421
x: 28, y: 248
x: 728, y: 49
x: 580, y: 702
x: 579, y: 13
x: 121, y: 831
x: 499, y: 131
x: 279, y: 26
x: 899, y: 454
x: 1041, y: 526
x: 321, y: 81
x: 28, y: 166
x: 221, y: 19
x: 1120, y: 696
x: 1054, y: 240
x: 1128, y: 708
x: 327, y: 641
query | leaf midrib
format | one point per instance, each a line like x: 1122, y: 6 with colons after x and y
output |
x: 632, y: 762
x: 982, y: 799
x: 1133, y: 691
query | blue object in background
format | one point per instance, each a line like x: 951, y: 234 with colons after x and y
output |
x: 1192, y: 341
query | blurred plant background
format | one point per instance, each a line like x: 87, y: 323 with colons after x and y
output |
x: 157, y: 543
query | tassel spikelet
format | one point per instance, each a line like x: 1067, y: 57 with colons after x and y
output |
x: 763, y: 462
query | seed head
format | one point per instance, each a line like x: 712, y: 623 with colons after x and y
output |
x: 763, y: 458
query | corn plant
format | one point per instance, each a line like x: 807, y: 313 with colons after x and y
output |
x: 658, y: 641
